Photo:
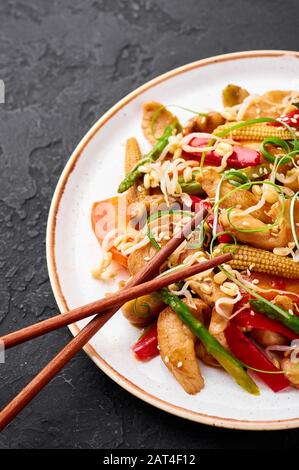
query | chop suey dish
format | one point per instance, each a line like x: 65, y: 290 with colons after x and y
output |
x: 242, y: 165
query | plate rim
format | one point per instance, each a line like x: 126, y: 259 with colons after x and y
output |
x: 53, y: 272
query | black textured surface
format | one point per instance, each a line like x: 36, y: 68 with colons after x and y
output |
x: 64, y: 63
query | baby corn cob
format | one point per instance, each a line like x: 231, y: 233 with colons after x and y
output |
x: 261, y: 261
x: 132, y: 158
x: 254, y: 132
x: 133, y: 154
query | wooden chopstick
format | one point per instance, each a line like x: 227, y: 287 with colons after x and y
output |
x: 79, y: 341
x: 100, y: 306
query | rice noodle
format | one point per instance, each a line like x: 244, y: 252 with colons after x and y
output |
x: 223, y: 165
x: 295, y: 353
x: 193, y: 163
x: 245, y: 307
x: 138, y: 245
x: 189, y: 300
x: 173, y: 258
x: 197, y: 256
x: 257, y: 206
x: 190, y: 149
x: 216, y: 203
x: 174, y: 181
x: 294, y: 162
x: 294, y: 347
x: 108, y: 241
x: 260, y: 289
x: 288, y: 179
x: 226, y: 301
x: 200, y: 135
x: 185, y: 293
x: 181, y: 291
x: 186, y: 200
x: 164, y: 153
x: 255, y: 287
x: 166, y: 175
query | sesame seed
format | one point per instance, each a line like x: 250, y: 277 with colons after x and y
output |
x: 166, y: 359
x: 179, y: 364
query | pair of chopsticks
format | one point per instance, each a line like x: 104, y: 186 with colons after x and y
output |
x: 104, y: 310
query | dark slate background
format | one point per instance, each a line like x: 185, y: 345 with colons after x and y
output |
x: 64, y: 63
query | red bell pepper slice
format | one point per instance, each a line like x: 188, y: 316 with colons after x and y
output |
x: 198, y: 204
x: 223, y: 238
x: 249, y: 318
x: 146, y: 347
x: 240, y: 158
x: 291, y: 118
x: 252, y: 356
x: 245, y: 300
x: 212, y: 159
x: 243, y: 157
x: 277, y: 283
x: 271, y: 283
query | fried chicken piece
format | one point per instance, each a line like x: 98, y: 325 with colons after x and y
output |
x: 275, y: 237
x: 164, y: 119
x: 292, y: 371
x: 243, y: 199
x: 177, y: 348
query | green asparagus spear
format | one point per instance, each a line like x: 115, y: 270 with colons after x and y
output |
x: 156, y: 151
x: 192, y: 187
x: 132, y: 176
x: 250, y: 173
x: 276, y: 313
x: 232, y: 365
x: 256, y: 172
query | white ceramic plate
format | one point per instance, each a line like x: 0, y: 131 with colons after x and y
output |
x: 93, y: 173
